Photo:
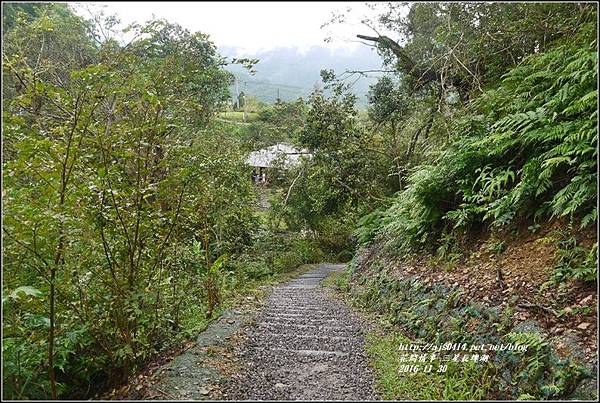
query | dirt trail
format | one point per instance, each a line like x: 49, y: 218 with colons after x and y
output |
x: 304, y: 345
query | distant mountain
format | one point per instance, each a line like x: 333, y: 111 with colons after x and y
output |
x: 296, y: 74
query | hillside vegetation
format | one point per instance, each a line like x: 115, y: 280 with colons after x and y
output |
x: 523, y: 151
x: 290, y: 73
x: 471, y: 194
x: 129, y: 214
x: 464, y: 198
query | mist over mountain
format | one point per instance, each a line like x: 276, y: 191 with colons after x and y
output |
x: 296, y: 73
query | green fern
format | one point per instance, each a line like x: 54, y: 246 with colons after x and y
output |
x: 525, y: 149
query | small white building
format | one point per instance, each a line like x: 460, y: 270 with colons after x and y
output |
x: 280, y: 155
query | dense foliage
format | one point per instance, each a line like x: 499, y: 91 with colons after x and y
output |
x: 525, y: 150
x: 122, y: 201
x: 484, y: 126
x: 129, y: 213
x: 471, y: 133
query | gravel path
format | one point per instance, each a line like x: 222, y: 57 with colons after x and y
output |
x: 304, y: 345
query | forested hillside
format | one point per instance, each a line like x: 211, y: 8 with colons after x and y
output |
x: 128, y: 209
x: 293, y: 73
x: 464, y: 199
x: 473, y: 187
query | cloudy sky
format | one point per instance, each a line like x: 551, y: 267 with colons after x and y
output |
x: 252, y: 26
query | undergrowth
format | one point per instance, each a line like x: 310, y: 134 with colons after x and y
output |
x: 411, y: 311
x: 525, y: 151
x: 457, y: 381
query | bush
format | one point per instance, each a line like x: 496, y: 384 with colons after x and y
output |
x: 575, y: 261
x: 525, y: 150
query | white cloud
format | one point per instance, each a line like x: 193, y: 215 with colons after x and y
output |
x: 249, y: 25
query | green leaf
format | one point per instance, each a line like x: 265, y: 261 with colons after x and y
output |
x: 26, y: 290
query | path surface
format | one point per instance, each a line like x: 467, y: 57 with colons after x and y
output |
x: 304, y: 345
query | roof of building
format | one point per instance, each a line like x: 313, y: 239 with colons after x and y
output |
x: 272, y: 156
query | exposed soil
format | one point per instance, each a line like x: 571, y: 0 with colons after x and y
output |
x: 304, y: 345
x: 517, y: 276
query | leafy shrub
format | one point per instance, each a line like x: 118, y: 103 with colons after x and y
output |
x: 113, y: 169
x: 538, y: 371
x: 256, y: 270
x: 527, y: 149
x: 287, y: 261
x: 335, y: 235
x: 368, y: 225
x: 308, y: 251
x: 434, y: 313
x: 575, y: 261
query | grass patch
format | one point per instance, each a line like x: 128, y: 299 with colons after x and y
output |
x: 460, y: 381
x: 238, y: 116
x: 338, y: 280
x: 407, y: 309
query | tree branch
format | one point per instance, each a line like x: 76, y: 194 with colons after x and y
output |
x: 405, y: 63
x: 287, y: 196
